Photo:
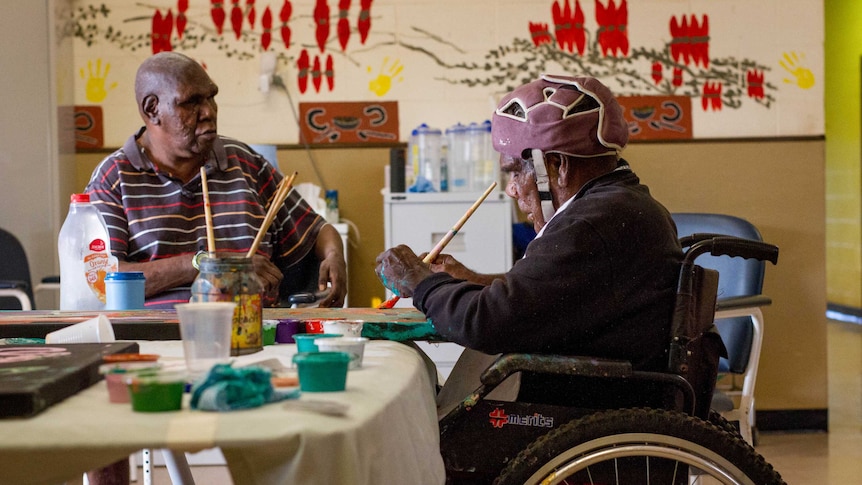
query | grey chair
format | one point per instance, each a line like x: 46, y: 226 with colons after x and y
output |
x: 738, y: 316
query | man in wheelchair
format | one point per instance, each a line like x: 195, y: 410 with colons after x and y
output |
x: 600, y: 278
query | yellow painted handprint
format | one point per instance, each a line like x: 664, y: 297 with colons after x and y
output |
x: 96, y: 91
x: 804, y: 76
x: 383, y: 82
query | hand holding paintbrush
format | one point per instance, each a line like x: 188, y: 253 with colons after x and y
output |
x: 430, y: 257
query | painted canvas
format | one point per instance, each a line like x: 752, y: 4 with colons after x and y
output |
x: 35, y: 377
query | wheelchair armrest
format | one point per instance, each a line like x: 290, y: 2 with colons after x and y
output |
x: 736, y: 302
x: 509, y: 364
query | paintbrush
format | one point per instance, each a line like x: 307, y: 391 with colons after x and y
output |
x: 274, y: 207
x: 208, y: 215
x: 443, y: 242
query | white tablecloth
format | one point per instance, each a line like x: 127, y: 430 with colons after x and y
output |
x: 389, y: 434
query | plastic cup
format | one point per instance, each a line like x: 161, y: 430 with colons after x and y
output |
x: 94, y: 330
x: 347, y: 328
x: 307, y: 342
x: 352, y: 346
x: 322, y: 371
x: 205, y: 328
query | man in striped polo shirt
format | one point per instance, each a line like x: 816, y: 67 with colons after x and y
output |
x: 150, y: 194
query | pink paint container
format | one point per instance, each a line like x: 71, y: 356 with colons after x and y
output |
x: 116, y: 374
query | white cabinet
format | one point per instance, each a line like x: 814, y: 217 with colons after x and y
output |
x: 484, y: 243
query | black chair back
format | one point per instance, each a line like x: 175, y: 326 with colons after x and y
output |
x: 14, y: 270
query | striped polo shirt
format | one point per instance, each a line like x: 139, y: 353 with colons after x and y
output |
x: 152, y: 215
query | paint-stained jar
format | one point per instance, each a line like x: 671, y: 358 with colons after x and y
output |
x: 228, y: 277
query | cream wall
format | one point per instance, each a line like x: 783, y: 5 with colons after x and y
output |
x: 779, y: 186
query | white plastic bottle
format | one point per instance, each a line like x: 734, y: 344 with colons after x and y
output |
x: 85, y: 256
x: 487, y: 167
x: 459, y: 167
x: 425, y: 157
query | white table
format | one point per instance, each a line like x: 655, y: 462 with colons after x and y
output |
x: 389, y: 434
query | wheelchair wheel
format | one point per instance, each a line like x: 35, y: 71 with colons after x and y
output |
x: 639, y: 446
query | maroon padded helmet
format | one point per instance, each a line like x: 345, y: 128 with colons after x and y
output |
x: 576, y: 116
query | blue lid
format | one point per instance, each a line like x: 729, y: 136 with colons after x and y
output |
x: 424, y: 129
x: 124, y: 276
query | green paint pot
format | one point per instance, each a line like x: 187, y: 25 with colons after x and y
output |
x: 151, y: 393
x: 305, y: 341
x: 322, y: 371
x: 269, y: 331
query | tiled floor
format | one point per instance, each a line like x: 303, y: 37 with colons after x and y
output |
x: 801, y: 458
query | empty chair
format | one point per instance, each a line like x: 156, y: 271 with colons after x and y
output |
x: 738, y: 316
x: 16, y: 291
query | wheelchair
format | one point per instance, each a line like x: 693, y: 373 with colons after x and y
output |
x: 677, y: 441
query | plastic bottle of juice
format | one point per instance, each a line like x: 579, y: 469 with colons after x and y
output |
x: 85, y: 256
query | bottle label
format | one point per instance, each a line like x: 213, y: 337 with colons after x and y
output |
x: 97, y: 264
x: 247, y: 324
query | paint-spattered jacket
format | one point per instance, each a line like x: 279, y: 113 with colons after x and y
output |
x: 600, y: 281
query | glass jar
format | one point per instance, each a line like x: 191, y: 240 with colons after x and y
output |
x: 229, y: 277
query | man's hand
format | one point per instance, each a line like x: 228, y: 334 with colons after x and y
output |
x: 446, y: 263
x: 333, y: 274
x: 270, y: 277
x: 333, y: 268
x: 401, y: 270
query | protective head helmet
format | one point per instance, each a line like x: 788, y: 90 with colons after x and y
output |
x: 575, y: 116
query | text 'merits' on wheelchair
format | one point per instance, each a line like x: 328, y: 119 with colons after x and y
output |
x: 679, y: 441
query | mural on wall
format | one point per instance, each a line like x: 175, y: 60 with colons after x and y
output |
x: 687, y: 54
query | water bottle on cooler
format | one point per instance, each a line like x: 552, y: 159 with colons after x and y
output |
x: 84, y: 248
x: 424, y: 157
x: 459, y: 167
x: 487, y: 167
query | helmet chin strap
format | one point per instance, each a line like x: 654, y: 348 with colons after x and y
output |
x: 543, y: 184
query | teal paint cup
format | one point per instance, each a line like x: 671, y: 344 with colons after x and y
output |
x: 305, y: 342
x: 322, y: 371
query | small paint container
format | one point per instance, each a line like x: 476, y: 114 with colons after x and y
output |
x: 306, y: 342
x: 117, y: 373
x: 313, y: 326
x: 322, y: 371
x: 162, y: 391
x: 269, y: 327
x: 352, y: 346
x: 124, y: 290
x: 347, y: 328
x: 287, y: 329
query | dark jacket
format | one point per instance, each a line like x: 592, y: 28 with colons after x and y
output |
x: 600, y: 281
